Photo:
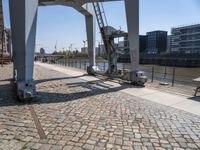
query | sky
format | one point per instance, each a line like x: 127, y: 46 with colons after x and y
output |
x: 65, y: 26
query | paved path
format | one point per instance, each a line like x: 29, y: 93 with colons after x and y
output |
x: 80, y: 112
x: 187, y: 103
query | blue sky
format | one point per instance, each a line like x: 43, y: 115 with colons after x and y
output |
x: 66, y: 26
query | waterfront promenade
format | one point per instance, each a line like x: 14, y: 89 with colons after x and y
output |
x: 76, y: 111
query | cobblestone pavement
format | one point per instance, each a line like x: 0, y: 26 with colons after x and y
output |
x: 77, y: 115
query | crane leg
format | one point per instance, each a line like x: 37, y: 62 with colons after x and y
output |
x: 91, y: 38
x: 23, y: 15
x: 132, y: 14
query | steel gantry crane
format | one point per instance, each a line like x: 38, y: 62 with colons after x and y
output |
x: 23, y: 15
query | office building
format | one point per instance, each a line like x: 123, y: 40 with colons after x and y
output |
x: 143, y: 43
x: 186, y: 39
x: 156, y: 42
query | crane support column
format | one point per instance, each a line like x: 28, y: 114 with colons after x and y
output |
x: 132, y: 13
x: 23, y: 15
x: 90, y: 19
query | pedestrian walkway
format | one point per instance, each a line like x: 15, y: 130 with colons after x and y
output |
x: 76, y: 111
x: 188, y: 104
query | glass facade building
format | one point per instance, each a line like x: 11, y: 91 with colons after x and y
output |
x: 156, y: 42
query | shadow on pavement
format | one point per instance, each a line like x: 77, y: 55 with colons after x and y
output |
x: 7, y: 95
x: 56, y: 79
x: 44, y: 97
x: 8, y: 92
x: 195, y: 98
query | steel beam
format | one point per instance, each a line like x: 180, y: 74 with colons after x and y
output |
x: 132, y: 14
x: 23, y: 14
x: 90, y: 19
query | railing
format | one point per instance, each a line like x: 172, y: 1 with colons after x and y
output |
x: 171, y: 75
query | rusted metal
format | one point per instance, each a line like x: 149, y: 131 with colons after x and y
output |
x: 38, y: 125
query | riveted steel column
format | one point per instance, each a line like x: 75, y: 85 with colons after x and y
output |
x: 132, y: 14
x: 23, y: 14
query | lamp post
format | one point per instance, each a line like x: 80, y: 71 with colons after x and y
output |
x: 119, y: 31
x: 71, y: 46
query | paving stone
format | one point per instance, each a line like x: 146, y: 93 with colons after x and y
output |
x: 88, y: 146
x: 55, y: 147
x: 76, y: 114
x: 68, y: 147
x: 45, y: 147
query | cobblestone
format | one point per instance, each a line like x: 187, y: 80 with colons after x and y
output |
x: 76, y: 114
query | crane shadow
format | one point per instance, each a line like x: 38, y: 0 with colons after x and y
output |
x: 8, y: 91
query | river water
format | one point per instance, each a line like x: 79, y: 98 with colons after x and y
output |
x: 181, y: 75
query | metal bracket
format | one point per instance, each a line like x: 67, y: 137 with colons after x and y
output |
x: 26, y: 90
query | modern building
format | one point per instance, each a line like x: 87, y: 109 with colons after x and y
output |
x: 186, y: 39
x: 156, y: 42
x: 143, y: 43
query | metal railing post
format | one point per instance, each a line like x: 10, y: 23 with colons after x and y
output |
x: 165, y: 75
x: 173, y: 76
x: 123, y: 68
x: 152, y: 76
x: 104, y: 66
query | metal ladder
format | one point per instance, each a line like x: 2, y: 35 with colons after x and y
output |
x: 100, y: 21
x: 110, y: 50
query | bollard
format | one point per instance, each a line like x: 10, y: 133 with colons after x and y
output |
x: 173, y: 76
x: 80, y: 64
x: 152, y: 76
